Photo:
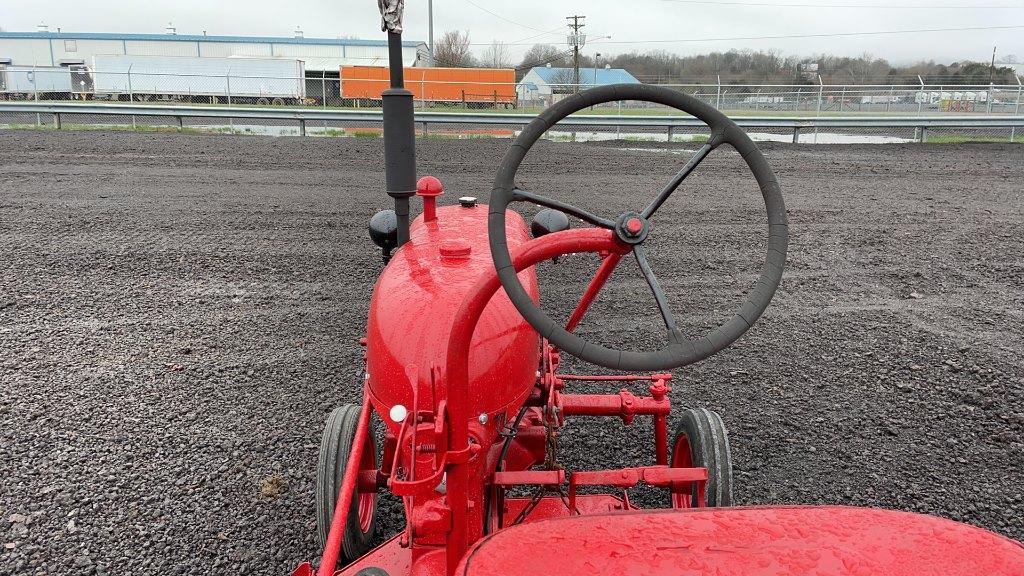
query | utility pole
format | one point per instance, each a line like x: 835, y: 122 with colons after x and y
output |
x: 576, y: 40
x: 430, y: 32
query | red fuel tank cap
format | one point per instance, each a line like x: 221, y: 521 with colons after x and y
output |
x: 455, y: 249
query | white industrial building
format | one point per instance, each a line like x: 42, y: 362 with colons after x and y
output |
x: 323, y: 57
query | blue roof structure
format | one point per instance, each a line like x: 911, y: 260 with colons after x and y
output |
x: 588, y: 76
x: 196, y: 38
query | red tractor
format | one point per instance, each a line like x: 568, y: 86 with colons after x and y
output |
x: 462, y: 368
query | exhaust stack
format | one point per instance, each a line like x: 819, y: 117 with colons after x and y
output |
x: 399, y: 125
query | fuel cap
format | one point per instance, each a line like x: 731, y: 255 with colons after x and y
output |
x: 457, y: 249
x: 467, y: 201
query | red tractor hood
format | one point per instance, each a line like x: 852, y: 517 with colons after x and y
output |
x: 790, y: 541
x: 414, y: 305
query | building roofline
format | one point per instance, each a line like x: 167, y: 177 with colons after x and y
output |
x: 198, y: 38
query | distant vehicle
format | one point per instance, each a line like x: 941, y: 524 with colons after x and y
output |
x: 471, y: 87
x: 937, y: 97
x: 261, y: 81
x: 881, y: 99
x: 764, y: 99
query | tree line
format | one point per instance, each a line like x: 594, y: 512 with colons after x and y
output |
x: 454, y: 49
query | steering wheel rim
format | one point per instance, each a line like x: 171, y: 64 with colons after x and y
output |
x: 679, y: 351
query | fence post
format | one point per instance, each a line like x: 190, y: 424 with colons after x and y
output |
x: 821, y: 89
x: 988, y: 106
x: 56, y: 120
x: 920, y: 100
x: 1016, y: 109
x: 796, y: 134
x: 228, y: 78
x: 302, y: 126
x: 892, y: 94
x: 718, y: 93
x: 922, y: 136
x: 670, y: 133
x: 35, y: 91
x: 323, y: 90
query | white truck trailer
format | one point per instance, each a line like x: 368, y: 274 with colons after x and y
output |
x: 238, y: 80
x: 29, y: 83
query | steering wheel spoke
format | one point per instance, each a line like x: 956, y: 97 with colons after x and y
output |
x: 676, y: 180
x: 659, y: 294
x: 588, y: 217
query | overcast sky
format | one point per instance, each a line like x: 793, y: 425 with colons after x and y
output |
x: 631, y: 24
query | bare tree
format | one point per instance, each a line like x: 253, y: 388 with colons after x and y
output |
x: 542, y: 54
x: 496, y: 56
x: 452, y: 50
x: 563, y: 81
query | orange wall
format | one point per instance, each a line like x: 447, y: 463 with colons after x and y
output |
x: 449, y: 84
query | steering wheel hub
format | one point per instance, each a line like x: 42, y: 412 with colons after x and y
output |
x: 632, y: 228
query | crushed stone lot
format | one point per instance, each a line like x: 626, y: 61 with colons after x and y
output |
x: 179, y: 314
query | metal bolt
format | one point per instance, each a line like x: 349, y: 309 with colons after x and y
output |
x: 483, y: 419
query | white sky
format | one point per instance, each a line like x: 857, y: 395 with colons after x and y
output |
x: 625, y: 21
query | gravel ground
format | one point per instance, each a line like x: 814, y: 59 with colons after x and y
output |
x: 179, y: 313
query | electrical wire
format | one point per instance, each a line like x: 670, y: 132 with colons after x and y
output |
x: 500, y: 17
x: 845, y: 6
x: 815, y: 35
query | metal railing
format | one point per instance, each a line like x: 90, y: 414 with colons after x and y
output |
x: 670, y: 125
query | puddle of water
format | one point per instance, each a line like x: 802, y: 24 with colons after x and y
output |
x: 806, y: 137
x: 679, y: 151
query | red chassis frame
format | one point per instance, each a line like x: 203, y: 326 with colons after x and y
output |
x: 445, y: 509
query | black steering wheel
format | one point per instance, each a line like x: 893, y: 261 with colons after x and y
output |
x: 632, y: 228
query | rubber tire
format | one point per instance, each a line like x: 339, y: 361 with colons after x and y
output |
x: 709, y: 448
x: 335, y: 447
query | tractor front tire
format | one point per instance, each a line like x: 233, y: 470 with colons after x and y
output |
x: 335, y: 447
x: 701, y: 441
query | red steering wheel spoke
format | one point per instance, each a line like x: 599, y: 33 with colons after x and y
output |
x: 604, y: 272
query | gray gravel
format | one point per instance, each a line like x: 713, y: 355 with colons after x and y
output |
x: 179, y: 313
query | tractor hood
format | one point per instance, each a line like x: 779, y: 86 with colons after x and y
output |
x: 413, y: 307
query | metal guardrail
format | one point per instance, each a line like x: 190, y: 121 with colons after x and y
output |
x: 667, y: 122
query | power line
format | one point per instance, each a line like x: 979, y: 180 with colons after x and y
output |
x: 817, y: 35
x: 870, y: 6
x: 544, y: 61
x: 500, y: 17
x: 552, y: 31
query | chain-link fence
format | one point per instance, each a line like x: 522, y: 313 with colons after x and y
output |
x: 79, y: 83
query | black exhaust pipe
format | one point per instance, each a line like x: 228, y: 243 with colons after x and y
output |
x: 399, y: 137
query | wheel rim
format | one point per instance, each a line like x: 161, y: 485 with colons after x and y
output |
x: 367, y: 502
x: 681, y: 458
